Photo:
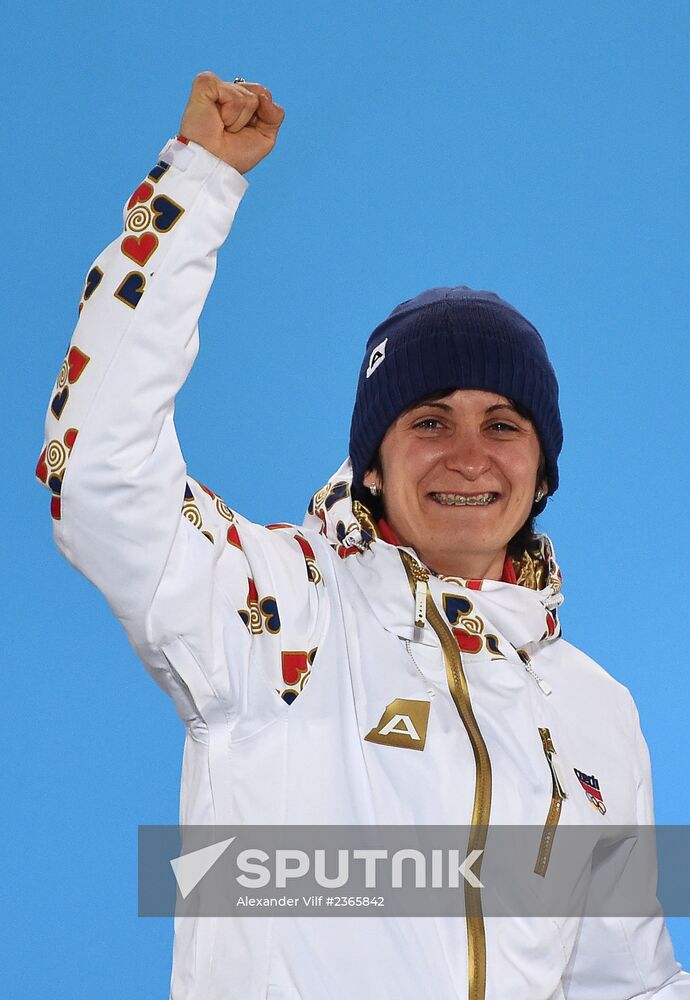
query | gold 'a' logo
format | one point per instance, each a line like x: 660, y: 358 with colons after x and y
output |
x: 403, y: 724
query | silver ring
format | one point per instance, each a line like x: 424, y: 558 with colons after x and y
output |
x: 239, y: 79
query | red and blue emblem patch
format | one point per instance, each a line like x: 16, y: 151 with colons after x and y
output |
x: 591, y: 788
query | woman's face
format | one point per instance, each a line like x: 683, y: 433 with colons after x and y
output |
x: 459, y: 476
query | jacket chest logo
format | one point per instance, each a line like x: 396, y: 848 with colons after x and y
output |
x: 590, y: 784
x: 403, y: 724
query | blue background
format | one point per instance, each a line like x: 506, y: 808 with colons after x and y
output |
x: 534, y: 149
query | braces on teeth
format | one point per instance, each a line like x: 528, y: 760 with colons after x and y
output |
x: 456, y: 500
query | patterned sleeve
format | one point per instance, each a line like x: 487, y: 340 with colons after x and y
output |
x: 111, y: 458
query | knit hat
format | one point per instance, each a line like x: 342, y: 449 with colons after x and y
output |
x: 453, y: 338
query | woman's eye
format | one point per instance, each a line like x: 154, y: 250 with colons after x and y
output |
x: 502, y: 426
x: 428, y: 422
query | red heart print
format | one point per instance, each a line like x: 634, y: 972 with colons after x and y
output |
x: 234, y: 536
x: 76, y: 363
x: 142, y: 193
x: 70, y: 437
x: 140, y: 248
x: 293, y: 666
x: 42, y: 468
x: 467, y: 642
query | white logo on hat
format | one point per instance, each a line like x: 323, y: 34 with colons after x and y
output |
x: 377, y: 356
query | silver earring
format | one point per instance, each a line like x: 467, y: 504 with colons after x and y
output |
x: 374, y: 490
x: 539, y: 496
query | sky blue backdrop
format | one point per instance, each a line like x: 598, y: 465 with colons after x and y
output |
x: 536, y: 149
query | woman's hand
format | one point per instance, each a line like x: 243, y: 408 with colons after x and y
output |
x: 238, y: 122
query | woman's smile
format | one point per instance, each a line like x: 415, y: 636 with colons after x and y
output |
x: 464, y: 499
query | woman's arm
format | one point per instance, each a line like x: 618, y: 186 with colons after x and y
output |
x: 628, y: 958
x: 111, y: 457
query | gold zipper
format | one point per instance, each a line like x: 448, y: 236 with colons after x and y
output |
x: 558, y: 793
x: 457, y: 683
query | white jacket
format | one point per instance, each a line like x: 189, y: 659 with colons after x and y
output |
x: 233, y: 619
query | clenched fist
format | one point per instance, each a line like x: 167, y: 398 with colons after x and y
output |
x: 238, y: 122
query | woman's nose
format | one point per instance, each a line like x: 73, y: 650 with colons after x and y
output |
x: 468, y: 454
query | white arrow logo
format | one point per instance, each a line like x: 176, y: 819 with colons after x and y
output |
x: 376, y: 357
x: 190, y: 868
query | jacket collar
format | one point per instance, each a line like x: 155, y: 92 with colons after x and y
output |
x: 508, y: 576
x: 524, y: 612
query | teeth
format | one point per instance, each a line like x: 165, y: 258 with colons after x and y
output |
x: 461, y: 500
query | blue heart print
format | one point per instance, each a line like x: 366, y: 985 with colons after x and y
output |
x: 59, y: 402
x: 93, y: 280
x: 166, y: 213
x: 131, y: 289
x: 157, y: 172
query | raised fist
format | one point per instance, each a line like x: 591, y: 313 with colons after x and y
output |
x: 238, y: 122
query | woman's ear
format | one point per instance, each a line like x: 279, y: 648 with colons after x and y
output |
x: 374, y: 475
x: 542, y: 485
x: 372, y: 482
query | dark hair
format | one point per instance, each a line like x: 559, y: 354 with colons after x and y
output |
x: 520, y: 540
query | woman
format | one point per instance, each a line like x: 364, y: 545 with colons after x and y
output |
x: 398, y: 659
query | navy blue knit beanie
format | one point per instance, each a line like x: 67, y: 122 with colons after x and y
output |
x: 448, y: 338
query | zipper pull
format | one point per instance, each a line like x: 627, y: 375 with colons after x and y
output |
x: 527, y: 664
x: 554, y: 765
x: 546, y: 740
x: 541, y: 683
x: 420, y: 591
x: 420, y: 577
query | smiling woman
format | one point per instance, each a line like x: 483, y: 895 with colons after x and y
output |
x: 462, y: 475
x: 395, y: 661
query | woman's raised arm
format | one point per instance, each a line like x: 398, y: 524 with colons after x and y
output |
x: 111, y: 458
